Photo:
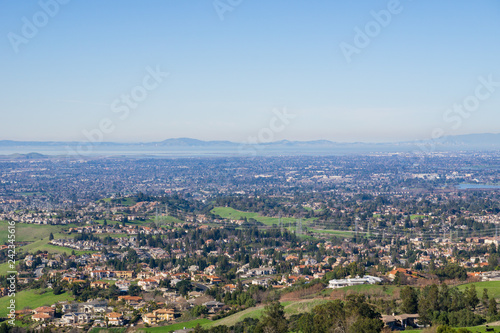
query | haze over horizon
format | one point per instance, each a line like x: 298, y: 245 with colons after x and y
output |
x: 368, y: 71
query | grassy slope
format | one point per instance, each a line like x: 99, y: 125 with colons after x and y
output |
x: 29, y: 298
x: 231, y: 213
x: 29, y: 232
x: 108, y: 330
x: 290, y: 308
x: 478, y: 329
x: 38, y: 235
x: 173, y: 327
x: 492, y: 286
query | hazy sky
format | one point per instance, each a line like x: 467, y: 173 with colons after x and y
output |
x: 347, y: 70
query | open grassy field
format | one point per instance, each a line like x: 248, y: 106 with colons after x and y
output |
x: 178, y: 326
x: 370, y: 288
x: 29, y: 232
x: 30, y: 298
x: 367, y: 289
x: 127, y: 202
x: 38, y: 236
x: 255, y: 312
x: 167, y: 219
x: 108, y: 330
x: 492, y: 286
x: 290, y: 308
x: 231, y: 213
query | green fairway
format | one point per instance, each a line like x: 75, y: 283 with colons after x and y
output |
x: 492, y: 286
x: 340, y: 233
x: 30, y: 298
x: 231, y: 213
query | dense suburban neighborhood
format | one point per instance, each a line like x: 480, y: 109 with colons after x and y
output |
x: 142, y: 244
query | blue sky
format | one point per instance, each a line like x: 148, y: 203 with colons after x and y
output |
x: 226, y: 76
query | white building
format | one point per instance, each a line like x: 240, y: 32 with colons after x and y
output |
x: 367, y: 279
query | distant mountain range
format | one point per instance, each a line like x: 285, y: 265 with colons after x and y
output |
x: 470, y: 142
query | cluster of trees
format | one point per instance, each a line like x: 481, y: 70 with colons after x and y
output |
x: 446, y: 306
x: 354, y: 315
x: 340, y: 272
x: 451, y: 271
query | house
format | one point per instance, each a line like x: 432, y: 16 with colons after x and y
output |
x: 99, y: 285
x: 400, y: 322
x: 45, y: 309
x: 130, y: 298
x: 392, y: 274
x: 149, y: 318
x: 214, y: 279
x: 147, y: 284
x: 75, y: 318
x: 95, y: 308
x: 229, y: 288
x: 124, y: 274
x: 261, y: 282
x: 213, y: 306
x: 41, y: 317
x: 159, y: 315
x: 123, y: 285
x: 114, y: 318
x: 101, y: 274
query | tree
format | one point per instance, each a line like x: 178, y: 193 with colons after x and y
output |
x: 493, y: 260
x: 58, y: 290
x: 134, y: 290
x: 51, y: 236
x: 273, y: 320
x: 485, y: 299
x: 330, y: 316
x: 492, y: 308
x: 199, y: 310
x: 306, y: 323
x: 471, y: 298
x: 409, y: 297
x: 184, y: 287
x: 428, y: 303
x: 4, y: 328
